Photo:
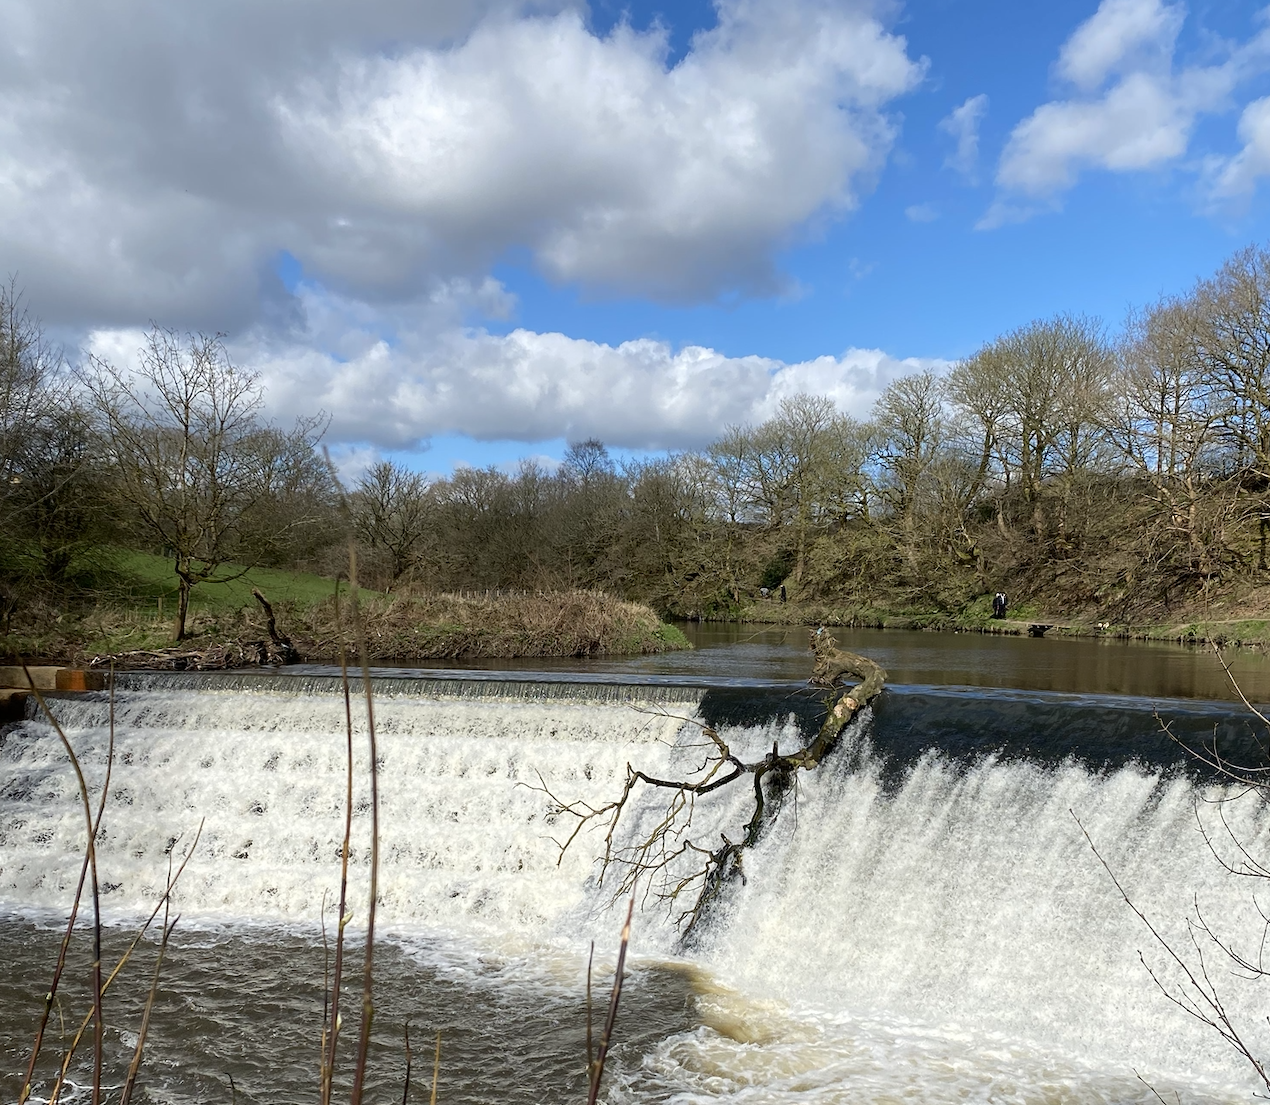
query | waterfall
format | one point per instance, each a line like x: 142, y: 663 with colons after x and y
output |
x: 925, y: 916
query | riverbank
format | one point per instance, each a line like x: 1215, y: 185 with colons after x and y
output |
x: 1241, y: 623
x: 398, y: 628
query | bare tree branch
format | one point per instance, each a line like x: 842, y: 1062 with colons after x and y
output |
x: 673, y: 865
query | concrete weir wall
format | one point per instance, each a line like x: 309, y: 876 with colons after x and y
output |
x: 14, y: 686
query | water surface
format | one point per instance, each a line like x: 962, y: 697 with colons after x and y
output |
x: 1078, y: 665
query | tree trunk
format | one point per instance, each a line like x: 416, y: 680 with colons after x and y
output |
x: 182, y: 605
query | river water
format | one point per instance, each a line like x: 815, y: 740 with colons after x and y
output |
x: 1084, y: 665
x: 925, y: 921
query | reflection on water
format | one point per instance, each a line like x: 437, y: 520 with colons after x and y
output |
x: 1081, y: 665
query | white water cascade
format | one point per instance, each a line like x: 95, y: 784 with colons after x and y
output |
x: 949, y: 938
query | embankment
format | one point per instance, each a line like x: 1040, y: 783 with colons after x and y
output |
x: 405, y: 628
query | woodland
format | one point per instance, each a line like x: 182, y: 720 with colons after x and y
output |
x: 1121, y: 475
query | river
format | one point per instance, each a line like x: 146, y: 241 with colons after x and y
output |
x: 925, y: 922
x: 1083, y: 665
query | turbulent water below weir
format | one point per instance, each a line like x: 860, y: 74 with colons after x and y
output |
x: 925, y: 921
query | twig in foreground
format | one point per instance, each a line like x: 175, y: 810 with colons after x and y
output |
x: 606, y: 1037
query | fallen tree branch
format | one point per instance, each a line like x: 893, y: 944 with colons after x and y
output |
x: 656, y: 857
x: 282, y: 650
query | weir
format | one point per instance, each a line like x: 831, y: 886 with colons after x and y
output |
x: 924, y: 918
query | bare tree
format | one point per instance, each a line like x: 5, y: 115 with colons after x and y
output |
x: 1166, y: 420
x: 911, y: 428
x: 979, y: 389
x: 393, y: 513
x: 587, y: 461
x: 27, y: 368
x: 790, y: 468
x: 1037, y: 394
x: 178, y: 431
x: 1233, y: 346
x: 50, y: 504
x: 295, y: 519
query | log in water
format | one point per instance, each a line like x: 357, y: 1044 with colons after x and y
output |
x: 925, y: 921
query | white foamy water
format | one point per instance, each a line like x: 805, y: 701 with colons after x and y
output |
x: 953, y: 939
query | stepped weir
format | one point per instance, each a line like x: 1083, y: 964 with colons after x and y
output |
x: 925, y: 919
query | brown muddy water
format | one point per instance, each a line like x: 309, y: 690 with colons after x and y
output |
x: 1075, y: 665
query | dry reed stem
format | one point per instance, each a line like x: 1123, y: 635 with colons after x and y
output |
x: 328, y: 1066
x: 123, y: 959
x: 135, y: 1065
x: 91, y: 853
x: 51, y: 993
x: 405, y: 1092
x: 436, y: 1070
x: 368, y: 1000
x: 590, y: 1051
x: 597, y: 1070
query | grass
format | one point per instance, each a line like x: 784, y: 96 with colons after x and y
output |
x: 150, y: 578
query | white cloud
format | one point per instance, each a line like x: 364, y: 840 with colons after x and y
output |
x: 1135, y: 108
x: 962, y: 123
x: 154, y: 161
x: 1236, y: 178
x: 1138, y: 124
x: 614, y: 170
x: 921, y: 213
x: 529, y: 386
x: 435, y: 376
x: 1118, y: 30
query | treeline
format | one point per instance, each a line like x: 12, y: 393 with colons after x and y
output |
x: 1117, y: 475
x: 1121, y: 475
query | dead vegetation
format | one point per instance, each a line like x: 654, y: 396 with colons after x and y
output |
x: 454, y: 626
x: 671, y: 863
x: 403, y: 627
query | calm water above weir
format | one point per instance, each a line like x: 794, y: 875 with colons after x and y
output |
x: 1067, y: 664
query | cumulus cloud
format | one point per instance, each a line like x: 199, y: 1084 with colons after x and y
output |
x: 153, y: 164
x: 1138, y: 124
x: 1134, y: 107
x: 1119, y: 29
x: 962, y: 124
x: 156, y: 163
x: 616, y: 171
x: 435, y: 376
x: 1237, y: 177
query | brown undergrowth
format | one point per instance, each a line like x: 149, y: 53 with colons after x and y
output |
x: 407, y: 626
x: 452, y: 626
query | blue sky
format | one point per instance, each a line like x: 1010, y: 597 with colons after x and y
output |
x: 490, y: 227
x: 941, y: 288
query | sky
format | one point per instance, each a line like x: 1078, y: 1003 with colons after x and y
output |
x: 471, y: 231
